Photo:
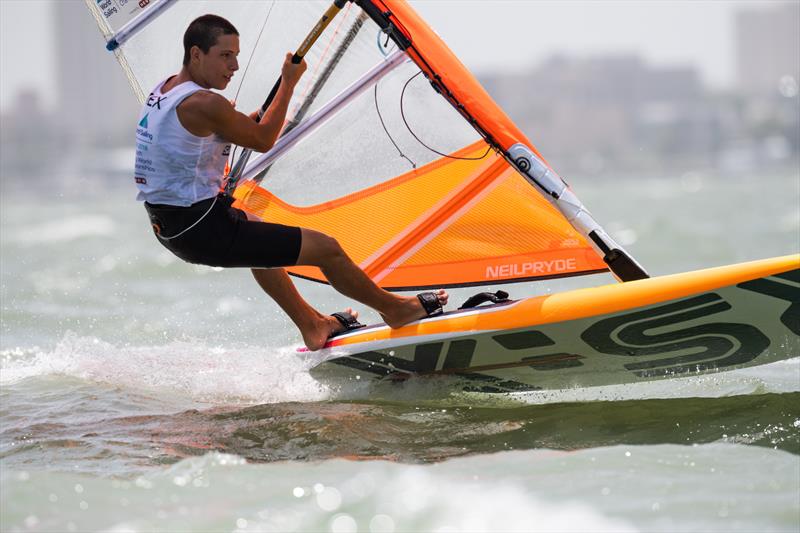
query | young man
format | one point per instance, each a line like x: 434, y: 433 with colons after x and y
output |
x: 184, y: 138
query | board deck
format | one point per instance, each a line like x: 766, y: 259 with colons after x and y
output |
x: 685, y: 324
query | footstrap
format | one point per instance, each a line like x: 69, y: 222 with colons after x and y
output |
x: 430, y: 303
x: 483, y: 297
x: 348, y: 321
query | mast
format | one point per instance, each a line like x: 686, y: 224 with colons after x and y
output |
x: 320, y: 82
x: 311, y: 38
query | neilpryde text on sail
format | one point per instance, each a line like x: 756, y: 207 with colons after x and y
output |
x: 531, y: 268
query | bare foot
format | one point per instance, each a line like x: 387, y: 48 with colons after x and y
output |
x: 410, y: 309
x: 316, y: 336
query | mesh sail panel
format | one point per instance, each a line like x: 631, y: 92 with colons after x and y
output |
x: 453, y: 222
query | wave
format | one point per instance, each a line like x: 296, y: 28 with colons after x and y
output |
x: 199, y: 372
x: 241, y: 374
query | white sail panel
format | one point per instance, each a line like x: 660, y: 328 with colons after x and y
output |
x: 353, y: 150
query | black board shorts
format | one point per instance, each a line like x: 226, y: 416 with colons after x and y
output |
x: 224, y: 237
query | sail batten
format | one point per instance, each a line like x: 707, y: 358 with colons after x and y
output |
x: 295, y: 135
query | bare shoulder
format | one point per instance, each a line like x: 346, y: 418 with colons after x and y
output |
x: 206, y: 103
x: 203, y: 112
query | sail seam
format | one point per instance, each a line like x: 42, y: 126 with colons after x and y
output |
x: 384, y: 258
x: 485, y: 190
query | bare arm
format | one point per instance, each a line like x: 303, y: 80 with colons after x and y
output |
x: 205, y: 112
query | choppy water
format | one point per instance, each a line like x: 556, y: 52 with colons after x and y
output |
x: 139, y: 393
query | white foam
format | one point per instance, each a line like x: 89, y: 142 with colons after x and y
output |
x: 247, y: 374
x: 204, y: 373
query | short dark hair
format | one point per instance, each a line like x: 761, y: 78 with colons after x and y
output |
x: 203, y: 33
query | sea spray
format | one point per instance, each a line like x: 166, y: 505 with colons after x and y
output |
x: 203, y: 373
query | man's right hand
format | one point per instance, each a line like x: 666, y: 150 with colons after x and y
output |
x: 292, y: 72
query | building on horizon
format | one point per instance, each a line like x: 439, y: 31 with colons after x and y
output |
x: 29, y: 144
x: 95, y: 102
x: 595, y: 114
x: 615, y: 114
x: 768, y: 49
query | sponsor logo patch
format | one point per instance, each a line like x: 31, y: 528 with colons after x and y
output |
x: 155, y: 101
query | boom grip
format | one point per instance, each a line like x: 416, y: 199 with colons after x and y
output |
x: 296, y: 59
x: 271, y: 96
x: 309, y: 41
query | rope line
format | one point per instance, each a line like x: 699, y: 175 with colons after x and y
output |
x: 375, y: 93
x: 403, y: 115
x: 247, y: 67
x: 193, y: 225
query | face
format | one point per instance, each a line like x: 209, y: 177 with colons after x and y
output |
x: 215, y: 69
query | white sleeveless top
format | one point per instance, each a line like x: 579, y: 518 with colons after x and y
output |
x: 173, y: 166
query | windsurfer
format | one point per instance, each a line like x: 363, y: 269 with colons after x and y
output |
x: 184, y: 137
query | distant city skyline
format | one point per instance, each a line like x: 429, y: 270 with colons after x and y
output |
x: 509, y: 35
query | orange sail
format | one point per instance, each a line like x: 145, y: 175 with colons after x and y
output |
x: 453, y: 222
x: 454, y: 81
x: 469, y: 218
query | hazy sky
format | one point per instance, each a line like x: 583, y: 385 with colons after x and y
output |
x: 488, y: 35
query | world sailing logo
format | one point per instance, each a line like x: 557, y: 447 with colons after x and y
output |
x: 141, y: 131
x: 107, y: 7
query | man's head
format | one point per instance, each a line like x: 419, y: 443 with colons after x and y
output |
x: 210, y: 47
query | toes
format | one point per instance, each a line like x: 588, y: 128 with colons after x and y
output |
x: 443, y: 296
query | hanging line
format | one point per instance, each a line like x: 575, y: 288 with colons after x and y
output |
x: 403, y: 115
x: 377, y: 109
x: 247, y: 67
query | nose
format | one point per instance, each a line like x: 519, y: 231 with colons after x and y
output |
x: 235, y: 65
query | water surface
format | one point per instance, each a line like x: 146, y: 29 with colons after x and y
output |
x: 140, y: 393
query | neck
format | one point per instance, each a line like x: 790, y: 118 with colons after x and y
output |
x: 186, y: 74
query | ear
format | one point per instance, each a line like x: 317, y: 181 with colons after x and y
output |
x: 194, y: 53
